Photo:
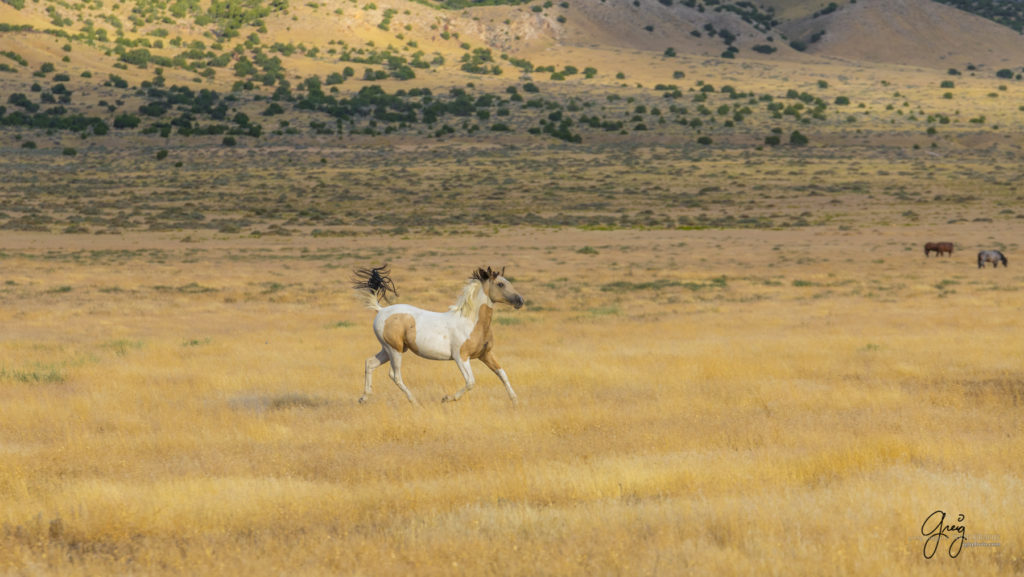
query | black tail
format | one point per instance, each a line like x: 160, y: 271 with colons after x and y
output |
x: 375, y: 280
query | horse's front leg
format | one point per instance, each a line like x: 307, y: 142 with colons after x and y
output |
x: 467, y: 373
x: 493, y: 364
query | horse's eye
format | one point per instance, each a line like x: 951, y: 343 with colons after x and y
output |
x: 501, y: 285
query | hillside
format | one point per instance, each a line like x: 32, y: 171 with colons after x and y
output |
x: 915, y: 32
x: 702, y: 72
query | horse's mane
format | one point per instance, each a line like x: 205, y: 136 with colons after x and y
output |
x: 468, y: 303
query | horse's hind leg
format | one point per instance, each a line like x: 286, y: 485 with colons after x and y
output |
x: 493, y: 364
x: 371, y: 364
x: 396, y: 374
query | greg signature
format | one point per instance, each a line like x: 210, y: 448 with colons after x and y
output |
x: 935, y: 529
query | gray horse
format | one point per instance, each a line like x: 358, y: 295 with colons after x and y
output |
x: 992, y: 256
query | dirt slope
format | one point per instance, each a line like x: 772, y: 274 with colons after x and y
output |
x: 915, y: 32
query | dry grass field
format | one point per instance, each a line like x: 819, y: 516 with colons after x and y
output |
x: 734, y: 358
x: 721, y: 402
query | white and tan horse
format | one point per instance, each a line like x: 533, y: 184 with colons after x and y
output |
x: 461, y: 333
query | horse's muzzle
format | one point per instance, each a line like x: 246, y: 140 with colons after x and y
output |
x: 518, y: 302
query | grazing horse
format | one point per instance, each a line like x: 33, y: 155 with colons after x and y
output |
x: 461, y: 333
x: 992, y: 256
x: 938, y: 248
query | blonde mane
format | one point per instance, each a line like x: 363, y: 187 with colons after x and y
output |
x: 468, y: 303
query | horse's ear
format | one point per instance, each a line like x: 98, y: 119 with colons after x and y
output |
x: 481, y: 275
x: 502, y: 271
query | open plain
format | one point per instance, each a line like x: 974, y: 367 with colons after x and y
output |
x: 734, y: 359
x: 691, y: 401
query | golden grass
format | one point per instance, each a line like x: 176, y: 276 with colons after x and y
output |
x: 775, y: 410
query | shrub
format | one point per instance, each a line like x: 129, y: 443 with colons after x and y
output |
x: 1004, y: 73
x: 272, y: 109
x: 947, y: 84
x: 798, y: 139
x: 68, y: 151
x: 842, y: 101
x: 229, y: 141
x: 126, y: 121
x: 161, y: 154
x: 705, y: 140
x: 772, y: 140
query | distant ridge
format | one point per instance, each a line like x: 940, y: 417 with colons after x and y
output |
x: 913, y: 32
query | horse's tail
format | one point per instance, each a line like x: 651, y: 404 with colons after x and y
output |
x: 370, y: 300
x: 373, y: 285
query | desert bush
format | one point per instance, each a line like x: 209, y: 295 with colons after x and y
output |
x: 123, y: 121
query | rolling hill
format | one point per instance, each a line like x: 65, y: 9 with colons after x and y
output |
x: 253, y: 68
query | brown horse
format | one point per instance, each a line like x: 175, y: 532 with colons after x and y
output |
x: 939, y: 248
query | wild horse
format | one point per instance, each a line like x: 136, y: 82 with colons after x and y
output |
x: 461, y: 333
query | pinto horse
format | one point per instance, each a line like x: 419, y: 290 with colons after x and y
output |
x: 992, y: 256
x: 938, y: 248
x: 461, y: 333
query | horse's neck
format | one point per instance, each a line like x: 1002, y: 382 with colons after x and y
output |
x: 484, y: 314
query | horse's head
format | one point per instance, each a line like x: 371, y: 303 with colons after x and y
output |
x: 498, y: 288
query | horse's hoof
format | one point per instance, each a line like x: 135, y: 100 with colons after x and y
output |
x: 362, y: 400
x: 447, y: 398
